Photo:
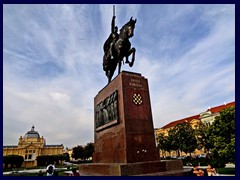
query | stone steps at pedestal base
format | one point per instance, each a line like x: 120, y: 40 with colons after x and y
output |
x: 182, y: 172
x: 151, y: 168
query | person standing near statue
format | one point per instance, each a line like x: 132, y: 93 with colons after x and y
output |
x: 74, y: 172
x: 211, y: 170
x: 50, y: 170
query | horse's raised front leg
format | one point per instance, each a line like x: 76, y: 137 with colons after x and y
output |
x: 132, y: 51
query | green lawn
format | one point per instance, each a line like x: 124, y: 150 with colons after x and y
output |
x: 60, y: 173
x: 226, y: 170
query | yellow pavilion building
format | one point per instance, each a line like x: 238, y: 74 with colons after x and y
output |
x: 30, y: 146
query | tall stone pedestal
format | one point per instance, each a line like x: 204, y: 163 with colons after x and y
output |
x: 124, y: 141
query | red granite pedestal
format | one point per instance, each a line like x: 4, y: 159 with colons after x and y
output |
x: 124, y: 141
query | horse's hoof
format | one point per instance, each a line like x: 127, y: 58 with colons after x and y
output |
x: 131, y: 64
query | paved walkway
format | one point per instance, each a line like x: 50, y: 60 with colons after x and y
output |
x: 187, y: 168
x: 28, y: 171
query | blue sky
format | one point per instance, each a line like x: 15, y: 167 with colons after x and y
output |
x: 52, y: 63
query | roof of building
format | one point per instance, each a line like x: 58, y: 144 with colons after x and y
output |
x: 10, y: 146
x: 187, y: 119
x: 58, y: 145
x: 217, y: 109
x: 32, y: 134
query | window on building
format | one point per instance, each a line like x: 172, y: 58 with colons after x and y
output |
x: 30, y: 155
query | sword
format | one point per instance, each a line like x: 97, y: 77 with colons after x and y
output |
x: 113, y: 10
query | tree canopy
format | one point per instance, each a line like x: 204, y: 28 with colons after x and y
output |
x: 180, y: 138
x: 83, y: 152
x: 13, y: 160
x: 185, y: 137
x: 222, y: 135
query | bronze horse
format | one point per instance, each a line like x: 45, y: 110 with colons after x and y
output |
x: 121, y: 48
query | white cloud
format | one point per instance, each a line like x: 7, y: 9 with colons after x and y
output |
x: 57, y: 96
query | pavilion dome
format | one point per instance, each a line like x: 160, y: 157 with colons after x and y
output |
x: 32, y: 134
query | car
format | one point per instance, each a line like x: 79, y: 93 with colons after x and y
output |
x: 14, y: 172
x: 167, y: 157
x: 181, y: 157
x: 202, y: 156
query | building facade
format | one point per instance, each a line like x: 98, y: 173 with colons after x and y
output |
x: 30, y: 146
x: 206, y: 117
x: 210, y: 115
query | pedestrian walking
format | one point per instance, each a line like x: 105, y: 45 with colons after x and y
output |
x: 74, y: 172
x: 50, y: 170
x: 211, y: 170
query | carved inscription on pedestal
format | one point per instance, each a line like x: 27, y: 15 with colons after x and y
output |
x: 106, y: 112
x: 135, y: 83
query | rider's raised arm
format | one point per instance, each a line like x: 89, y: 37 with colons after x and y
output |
x: 113, y: 23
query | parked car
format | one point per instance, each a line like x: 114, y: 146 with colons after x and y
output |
x: 202, y: 156
x: 189, y: 164
x: 181, y: 157
x: 168, y: 157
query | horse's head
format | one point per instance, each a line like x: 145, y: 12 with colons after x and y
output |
x: 128, y: 28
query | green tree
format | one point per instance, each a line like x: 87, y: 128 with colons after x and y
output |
x: 222, y: 136
x: 41, y: 160
x: 181, y: 138
x: 13, y: 160
x: 66, y: 157
x: 50, y: 159
x: 202, y: 138
x: 172, y: 142
x: 163, y: 144
x: 60, y: 158
x: 184, y: 137
x: 88, y: 150
x: 78, y: 152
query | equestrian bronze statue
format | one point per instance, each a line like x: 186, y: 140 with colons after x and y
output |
x: 118, y: 46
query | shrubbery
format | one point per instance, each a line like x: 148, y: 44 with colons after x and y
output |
x: 13, y: 160
x: 203, y: 162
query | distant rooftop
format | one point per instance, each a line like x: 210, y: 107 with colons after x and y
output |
x: 221, y: 107
x: 58, y: 145
x: 215, y: 109
x: 10, y: 146
x: 187, y: 119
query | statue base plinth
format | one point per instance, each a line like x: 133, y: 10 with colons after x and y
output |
x: 152, y: 168
x: 124, y: 140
